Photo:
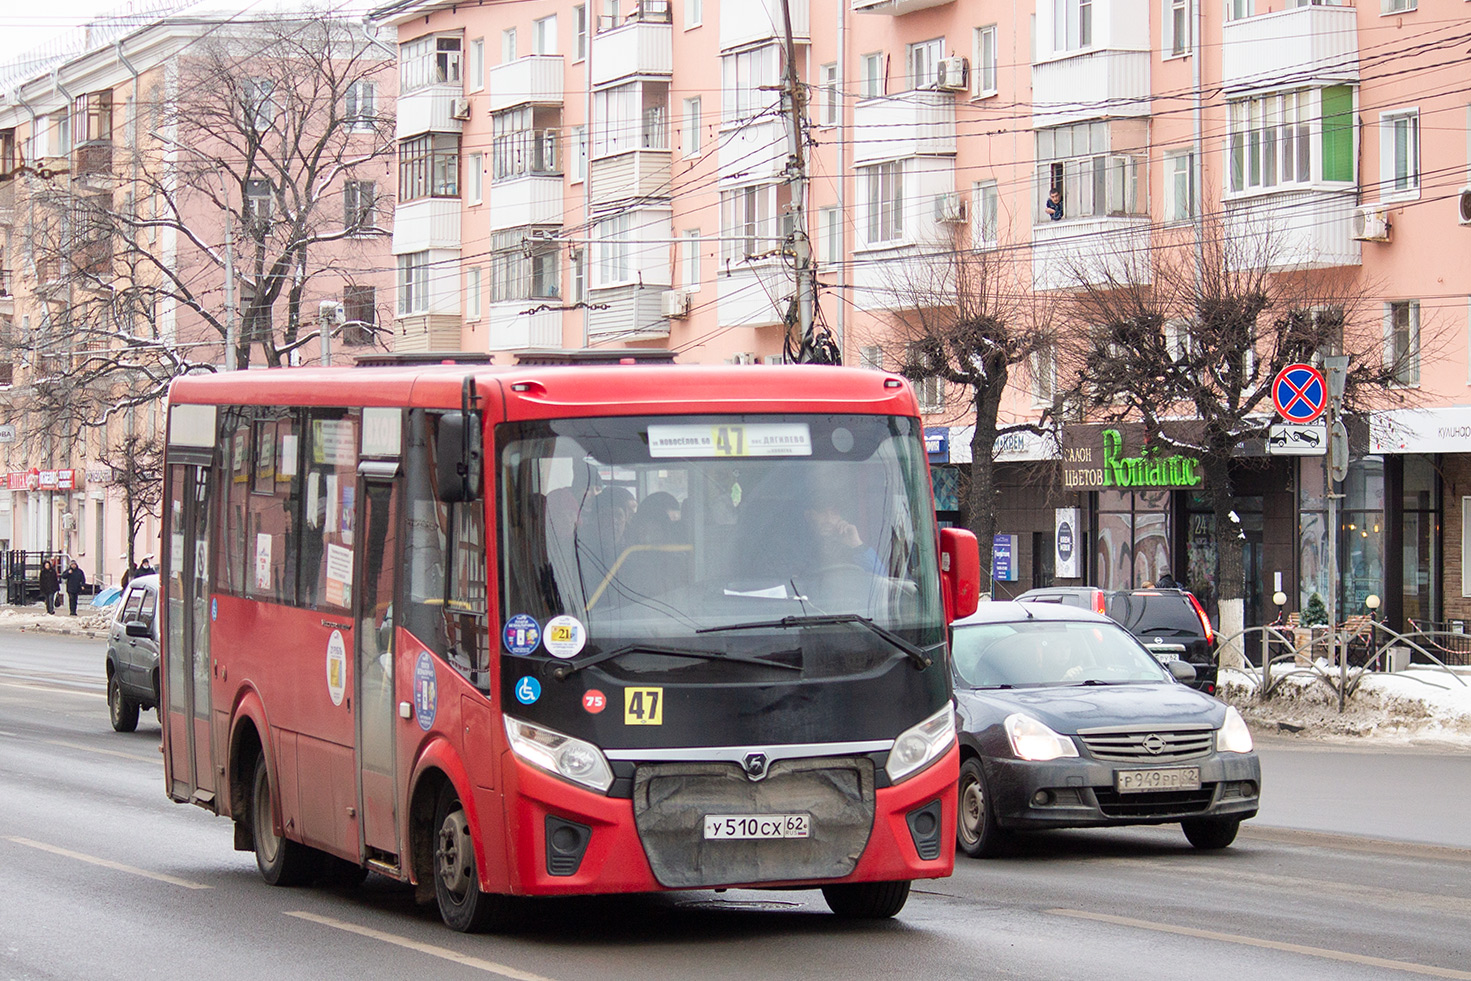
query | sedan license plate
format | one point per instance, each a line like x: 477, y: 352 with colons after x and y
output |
x: 733, y: 826
x: 1142, y: 781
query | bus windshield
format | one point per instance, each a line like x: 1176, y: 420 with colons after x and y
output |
x: 668, y: 531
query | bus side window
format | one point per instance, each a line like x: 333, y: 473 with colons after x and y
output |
x: 235, y: 429
x: 329, y: 516
x: 272, y: 509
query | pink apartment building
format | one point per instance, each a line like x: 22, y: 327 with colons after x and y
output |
x: 615, y: 175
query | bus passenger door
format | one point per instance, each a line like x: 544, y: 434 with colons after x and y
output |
x: 186, y: 566
x: 373, y: 611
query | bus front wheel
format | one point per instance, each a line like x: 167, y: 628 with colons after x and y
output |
x: 867, y: 900
x: 282, y: 862
x: 462, y: 904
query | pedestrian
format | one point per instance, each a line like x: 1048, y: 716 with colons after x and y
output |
x: 1166, y: 581
x: 49, y: 584
x: 145, y: 568
x: 75, y: 580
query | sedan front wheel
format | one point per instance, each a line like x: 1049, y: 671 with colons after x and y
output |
x: 976, y: 832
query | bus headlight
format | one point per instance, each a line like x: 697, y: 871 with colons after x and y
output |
x: 919, y: 746
x: 563, y: 756
x: 1233, y: 736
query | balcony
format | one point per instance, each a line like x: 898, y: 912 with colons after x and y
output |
x: 1090, y: 250
x: 512, y: 329
x: 629, y: 313
x: 92, y: 161
x: 754, y: 21
x: 430, y: 110
x: 911, y: 124
x: 7, y: 298
x: 895, y: 7
x: 754, y: 151
x: 529, y: 200
x: 1116, y: 83
x: 533, y: 79
x: 641, y: 47
x: 1304, y: 46
x: 429, y: 223
x: 755, y: 294
x: 636, y: 174
x: 1306, y: 228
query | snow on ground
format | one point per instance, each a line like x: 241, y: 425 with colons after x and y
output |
x: 89, y: 619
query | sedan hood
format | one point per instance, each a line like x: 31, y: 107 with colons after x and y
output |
x: 1068, y: 708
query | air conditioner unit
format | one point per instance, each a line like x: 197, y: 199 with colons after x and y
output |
x: 1463, y: 213
x: 952, y: 75
x: 1371, y: 223
x: 674, y: 303
x: 949, y: 207
x: 460, y: 109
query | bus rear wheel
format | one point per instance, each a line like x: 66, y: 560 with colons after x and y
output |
x: 282, y: 862
x: 462, y: 904
x: 867, y: 900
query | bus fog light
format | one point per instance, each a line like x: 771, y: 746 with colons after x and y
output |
x: 560, y: 755
x: 921, y: 745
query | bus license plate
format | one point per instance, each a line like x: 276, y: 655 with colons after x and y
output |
x: 732, y: 826
x: 1175, y: 778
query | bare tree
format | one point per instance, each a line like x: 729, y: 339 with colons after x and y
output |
x: 968, y: 320
x: 136, y: 461
x: 272, y: 135
x: 1182, y: 331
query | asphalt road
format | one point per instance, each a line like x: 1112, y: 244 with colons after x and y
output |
x: 104, y: 878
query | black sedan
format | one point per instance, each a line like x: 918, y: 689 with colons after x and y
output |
x: 1067, y: 721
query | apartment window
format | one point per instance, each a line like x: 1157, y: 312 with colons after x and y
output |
x: 1399, y: 154
x: 508, y: 45
x: 874, y: 76
x: 1397, y: 6
x: 871, y: 357
x: 921, y: 60
x: 690, y: 138
x: 579, y: 154
x: 747, y: 221
x: 428, y: 61
x: 984, y: 61
x: 828, y: 100
x: 544, y: 36
x: 609, y: 20
x: 477, y: 64
x: 689, y: 260
x: 579, y: 26
x: 579, y: 276
x: 694, y: 13
x: 93, y: 114
x: 882, y: 187
x: 524, y: 141
x: 472, y: 293
x: 7, y: 151
x: 986, y: 202
x: 358, y: 198
x: 1270, y: 140
x: 258, y: 202
x: 1176, y: 28
x: 1072, y: 24
x: 612, y: 258
x: 1179, y: 185
x: 930, y: 392
x: 361, y: 105
x: 413, y: 283
x: 1240, y: 9
x: 629, y: 117
x: 829, y: 223
x: 475, y: 178
x: 1077, y: 162
x: 1044, y: 376
x: 1402, y: 340
x: 743, y: 76
x: 257, y: 103
x: 359, y: 313
x: 523, y: 267
x: 429, y: 167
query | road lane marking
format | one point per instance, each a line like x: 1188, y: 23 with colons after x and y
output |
x: 54, y: 691
x: 444, y: 953
x: 1236, y: 938
x: 108, y: 864
x: 106, y: 752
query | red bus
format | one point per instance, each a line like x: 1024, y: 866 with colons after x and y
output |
x: 549, y: 630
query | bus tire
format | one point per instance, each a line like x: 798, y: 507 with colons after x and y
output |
x: 462, y: 904
x: 867, y: 900
x: 282, y: 862
x: 122, y: 711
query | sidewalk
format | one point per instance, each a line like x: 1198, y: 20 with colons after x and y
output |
x: 89, y: 621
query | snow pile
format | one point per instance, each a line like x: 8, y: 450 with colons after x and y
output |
x: 1421, y: 703
x: 88, y: 618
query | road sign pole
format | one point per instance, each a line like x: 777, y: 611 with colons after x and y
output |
x: 1337, y: 369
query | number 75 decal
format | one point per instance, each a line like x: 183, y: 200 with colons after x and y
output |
x: 643, y: 706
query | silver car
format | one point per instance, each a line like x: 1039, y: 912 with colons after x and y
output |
x: 132, y: 654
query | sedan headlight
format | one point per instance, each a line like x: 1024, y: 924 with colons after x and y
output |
x: 1031, y: 740
x: 1233, y: 736
x: 562, y: 756
x: 919, y: 746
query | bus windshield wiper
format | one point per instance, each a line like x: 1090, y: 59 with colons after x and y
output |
x: 920, y: 656
x: 564, y: 671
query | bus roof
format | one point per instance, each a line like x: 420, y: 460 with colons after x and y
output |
x: 551, y: 391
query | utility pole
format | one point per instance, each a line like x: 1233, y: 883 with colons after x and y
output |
x: 806, y: 279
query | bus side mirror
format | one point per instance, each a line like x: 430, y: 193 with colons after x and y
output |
x: 960, y: 572
x: 458, y: 462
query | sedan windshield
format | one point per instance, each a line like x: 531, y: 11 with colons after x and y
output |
x: 1050, y: 652
x: 671, y: 530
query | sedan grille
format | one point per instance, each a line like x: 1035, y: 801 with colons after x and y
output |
x: 1148, y: 745
x: 1167, y: 804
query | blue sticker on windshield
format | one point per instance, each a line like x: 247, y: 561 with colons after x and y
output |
x: 426, y: 691
x: 528, y: 690
x: 522, y: 634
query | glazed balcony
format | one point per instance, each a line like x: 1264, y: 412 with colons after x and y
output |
x: 1303, y: 46
x: 535, y: 79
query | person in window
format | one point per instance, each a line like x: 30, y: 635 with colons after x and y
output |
x: 1054, y: 204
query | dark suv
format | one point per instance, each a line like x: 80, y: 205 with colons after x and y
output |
x: 132, y: 654
x: 1173, y: 625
